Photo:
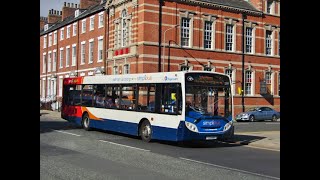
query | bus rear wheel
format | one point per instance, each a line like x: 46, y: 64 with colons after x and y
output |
x: 145, y: 131
x: 86, y: 122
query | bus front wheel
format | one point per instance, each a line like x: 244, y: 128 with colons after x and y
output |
x: 86, y: 122
x: 145, y: 131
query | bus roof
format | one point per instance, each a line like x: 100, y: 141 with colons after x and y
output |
x: 158, y: 77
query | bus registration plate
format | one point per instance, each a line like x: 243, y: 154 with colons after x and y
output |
x: 211, y: 137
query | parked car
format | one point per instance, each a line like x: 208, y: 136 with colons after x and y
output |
x: 259, y: 114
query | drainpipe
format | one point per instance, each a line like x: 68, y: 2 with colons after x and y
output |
x: 106, y: 42
x: 160, y: 28
x: 243, y: 50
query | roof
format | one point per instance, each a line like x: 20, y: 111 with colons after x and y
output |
x: 69, y: 20
x: 241, y: 4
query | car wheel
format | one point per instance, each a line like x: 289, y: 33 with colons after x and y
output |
x: 251, y: 118
x: 86, y: 122
x: 274, y: 118
x: 145, y: 131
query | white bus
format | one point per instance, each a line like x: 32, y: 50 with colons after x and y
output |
x: 173, y: 106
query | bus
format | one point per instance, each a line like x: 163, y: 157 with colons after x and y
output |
x: 170, y: 106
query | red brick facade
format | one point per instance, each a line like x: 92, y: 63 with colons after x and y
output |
x: 140, y: 51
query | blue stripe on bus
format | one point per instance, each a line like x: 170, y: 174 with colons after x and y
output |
x: 160, y: 133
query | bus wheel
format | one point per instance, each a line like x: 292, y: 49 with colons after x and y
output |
x: 86, y: 122
x: 145, y: 131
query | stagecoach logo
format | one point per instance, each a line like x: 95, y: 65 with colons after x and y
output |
x: 166, y: 78
x: 190, y: 78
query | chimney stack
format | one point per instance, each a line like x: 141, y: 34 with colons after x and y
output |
x: 53, y: 16
x: 43, y: 21
x: 85, y: 4
x: 68, y: 10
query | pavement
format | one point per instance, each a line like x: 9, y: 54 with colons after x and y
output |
x: 269, y: 140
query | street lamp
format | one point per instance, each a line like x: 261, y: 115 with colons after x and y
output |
x: 164, y: 41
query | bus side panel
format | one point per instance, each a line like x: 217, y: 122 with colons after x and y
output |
x: 164, y: 133
x: 116, y: 126
x: 72, y: 114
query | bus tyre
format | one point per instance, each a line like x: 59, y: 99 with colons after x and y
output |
x: 274, y: 118
x: 251, y: 118
x: 86, y: 122
x: 145, y: 131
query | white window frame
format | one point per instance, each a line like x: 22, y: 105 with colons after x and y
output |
x: 271, y: 39
x: 91, y: 51
x: 126, y: 69
x: 185, y: 31
x: 49, y: 61
x: 209, y: 33
x: 74, y: 55
x: 68, y: 31
x: 61, y: 34
x: 61, y: 58
x: 269, y: 80
x: 279, y: 83
x: 44, y: 41
x: 84, y: 26
x: 83, y: 52
x: 67, y: 56
x: 43, y: 87
x: 124, y: 28
x: 271, y: 7
x: 233, y: 78
x: 101, y: 19
x: 54, y: 37
x: 252, y: 83
x: 279, y: 43
x: 249, y: 40
x: 92, y: 23
x: 44, y: 62
x: 50, y: 40
x: 228, y: 35
x: 74, y: 29
x: 115, y: 70
x: 60, y: 85
x: 100, y: 48
x: 54, y: 60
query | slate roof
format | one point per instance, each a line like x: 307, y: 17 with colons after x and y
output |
x: 241, y: 4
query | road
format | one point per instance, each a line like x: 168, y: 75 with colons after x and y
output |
x: 257, y: 126
x: 68, y: 152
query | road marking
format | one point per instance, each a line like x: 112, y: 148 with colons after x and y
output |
x: 67, y: 133
x: 124, y: 145
x: 242, y: 123
x: 263, y: 148
x: 273, y: 123
x: 233, y: 169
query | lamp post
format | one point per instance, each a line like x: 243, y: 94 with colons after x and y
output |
x: 164, y: 46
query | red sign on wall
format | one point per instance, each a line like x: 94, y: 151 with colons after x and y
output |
x: 121, y: 51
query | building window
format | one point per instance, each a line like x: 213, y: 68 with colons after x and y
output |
x: 91, y: 23
x: 101, y: 20
x: 43, y: 88
x: 119, y: 35
x: 184, y: 68
x: 126, y: 69
x: 270, y: 7
x: 279, y: 84
x: 62, y: 34
x: 124, y: 28
x: 68, y: 32
x: 268, y: 42
x: 54, y: 57
x: 67, y: 56
x: 208, y: 32
x: 249, y: 40
x: 91, y: 52
x: 50, y: 40
x: 84, y: 26
x: 115, y: 70
x: 279, y: 44
x: 268, y: 82
x: 185, y: 32
x: 61, y: 59
x: 74, y: 28
x: 44, y: 63
x: 248, y: 83
x: 74, y: 55
x: 229, y: 73
x: 55, y: 38
x: 100, y: 49
x: 49, y: 62
x: 44, y: 42
x: 229, y: 37
x: 83, y: 53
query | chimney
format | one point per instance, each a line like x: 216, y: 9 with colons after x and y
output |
x: 257, y: 4
x: 84, y: 4
x: 43, y: 21
x: 53, y: 16
x: 68, y: 10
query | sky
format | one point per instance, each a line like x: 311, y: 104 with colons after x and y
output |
x: 46, y: 5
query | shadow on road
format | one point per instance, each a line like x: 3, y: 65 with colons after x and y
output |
x: 49, y: 126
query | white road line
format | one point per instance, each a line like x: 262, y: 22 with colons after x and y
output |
x: 124, y: 145
x: 67, y: 133
x: 242, y: 123
x: 273, y: 123
x: 248, y: 172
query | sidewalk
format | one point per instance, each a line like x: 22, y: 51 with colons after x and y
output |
x: 262, y: 139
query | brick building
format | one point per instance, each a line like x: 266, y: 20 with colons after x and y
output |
x: 103, y: 37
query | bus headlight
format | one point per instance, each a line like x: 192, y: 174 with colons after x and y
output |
x: 227, y: 126
x: 191, y: 127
